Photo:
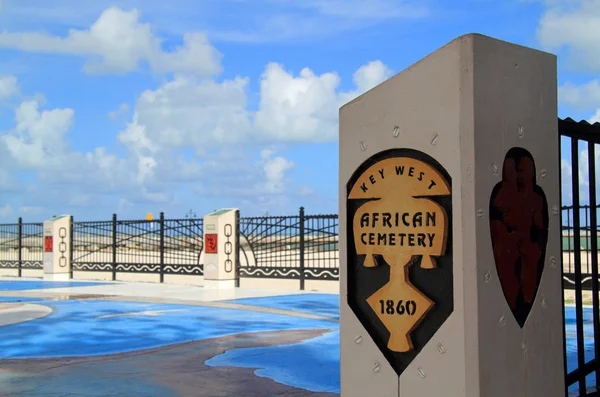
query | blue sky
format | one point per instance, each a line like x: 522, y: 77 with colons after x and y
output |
x: 143, y: 106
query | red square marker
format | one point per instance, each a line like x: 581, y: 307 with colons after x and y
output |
x: 48, y: 244
x: 211, y: 243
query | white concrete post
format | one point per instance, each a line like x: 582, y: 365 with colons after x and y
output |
x: 220, y: 249
x: 57, y: 248
x: 449, y: 220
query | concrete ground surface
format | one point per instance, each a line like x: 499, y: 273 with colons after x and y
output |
x: 155, y: 340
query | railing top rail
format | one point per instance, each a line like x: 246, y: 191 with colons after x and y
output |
x: 129, y: 221
x: 269, y: 217
x: 322, y: 216
x: 184, y: 219
x: 92, y: 222
x: 579, y: 130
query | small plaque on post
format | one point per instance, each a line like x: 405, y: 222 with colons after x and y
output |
x: 211, y: 243
x: 48, y: 244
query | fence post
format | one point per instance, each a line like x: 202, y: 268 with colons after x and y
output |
x: 71, y: 244
x: 114, y: 247
x: 20, y: 245
x: 302, y: 248
x: 237, y: 248
x: 162, y: 247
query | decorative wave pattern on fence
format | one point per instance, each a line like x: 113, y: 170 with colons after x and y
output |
x: 303, y: 247
x: 163, y: 246
x: 580, y: 254
x: 21, y: 246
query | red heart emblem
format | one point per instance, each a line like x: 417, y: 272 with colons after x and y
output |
x: 519, y: 231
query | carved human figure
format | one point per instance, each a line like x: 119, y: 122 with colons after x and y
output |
x: 531, y: 207
x: 506, y: 249
x: 521, y: 208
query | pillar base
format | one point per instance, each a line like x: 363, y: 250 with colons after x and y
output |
x: 57, y: 277
x: 219, y: 284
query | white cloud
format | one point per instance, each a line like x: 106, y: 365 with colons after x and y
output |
x: 8, y: 86
x: 302, y: 108
x: 566, y: 173
x: 203, y: 114
x: 576, y: 25
x: 581, y: 97
x: 305, y: 108
x: 275, y: 169
x: 187, y: 111
x: 123, y: 109
x: 31, y: 210
x: 117, y: 42
x: 247, y: 21
x: 584, y: 176
x: 305, y: 191
x: 367, y: 77
x: 286, y: 20
x: 361, y: 10
x: 234, y: 173
x: 596, y: 117
x: 124, y: 205
x: 6, y: 210
x: 39, y: 144
x: 39, y: 137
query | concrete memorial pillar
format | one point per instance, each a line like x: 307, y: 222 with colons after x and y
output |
x: 449, y: 219
x: 220, y: 249
x: 57, y: 248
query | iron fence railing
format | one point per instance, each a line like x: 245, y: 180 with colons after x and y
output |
x: 303, y: 247
x: 162, y: 246
x: 580, y: 257
x: 21, y: 246
x: 577, y: 243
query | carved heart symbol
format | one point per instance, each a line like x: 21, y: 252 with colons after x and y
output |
x: 519, y: 231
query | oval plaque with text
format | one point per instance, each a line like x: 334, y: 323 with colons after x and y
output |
x: 400, y: 251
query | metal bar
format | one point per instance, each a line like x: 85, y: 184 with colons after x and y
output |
x: 577, y: 257
x: 577, y: 373
x: 237, y: 245
x: 301, y: 248
x: 71, y: 248
x: 114, y: 247
x: 594, y: 255
x: 162, y: 247
x: 20, y: 246
x: 586, y: 211
x: 569, y: 239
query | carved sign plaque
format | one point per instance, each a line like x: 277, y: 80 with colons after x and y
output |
x: 519, y: 231
x: 399, y: 251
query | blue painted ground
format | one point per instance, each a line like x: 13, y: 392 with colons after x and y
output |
x: 87, y: 328
x: 84, y: 328
x: 14, y: 299
x: 31, y: 285
x: 588, y: 341
x: 327, y: 305
x: 312, y: 365
x: 302, y: 365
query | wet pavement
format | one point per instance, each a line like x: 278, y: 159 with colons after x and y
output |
x: 155, y: 340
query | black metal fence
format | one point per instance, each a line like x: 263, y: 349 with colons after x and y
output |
x: 21, y: 246
x: 581, y: 243
x: 162, y: 246
x: 580, y: 256
x: 302, y: 247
